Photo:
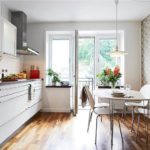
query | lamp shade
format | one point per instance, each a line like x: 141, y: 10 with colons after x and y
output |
x: 117, y: 52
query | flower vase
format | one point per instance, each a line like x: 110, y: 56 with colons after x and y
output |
x: 113, y: 85
x: 53, y: 83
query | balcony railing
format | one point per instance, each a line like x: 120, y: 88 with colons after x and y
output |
x: 82, y: 82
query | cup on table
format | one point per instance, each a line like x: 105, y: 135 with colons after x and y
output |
x: 127, y: 89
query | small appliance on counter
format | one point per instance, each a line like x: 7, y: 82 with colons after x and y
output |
x: 34, y: 72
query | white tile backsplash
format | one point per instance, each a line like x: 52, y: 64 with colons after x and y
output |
x: 12, y: 64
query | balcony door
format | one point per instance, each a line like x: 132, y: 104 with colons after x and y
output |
x: 86, y: 64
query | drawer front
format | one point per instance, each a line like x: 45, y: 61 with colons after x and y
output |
x: 11, y: 108
x: 38, y: 82
x: 10, y: 127
x: 12, y: 89
x: 13, y: 96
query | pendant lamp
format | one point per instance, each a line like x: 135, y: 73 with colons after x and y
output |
x: 116, y: 52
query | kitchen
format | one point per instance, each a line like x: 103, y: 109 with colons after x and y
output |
x: 24, y: 70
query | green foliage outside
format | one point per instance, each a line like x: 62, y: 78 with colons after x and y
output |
x: 86, y: 52
x: 105, y: 46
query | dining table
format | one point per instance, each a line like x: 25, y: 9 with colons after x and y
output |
x: 130, y: 95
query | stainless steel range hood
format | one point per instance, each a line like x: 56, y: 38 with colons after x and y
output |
x: 19, y: 19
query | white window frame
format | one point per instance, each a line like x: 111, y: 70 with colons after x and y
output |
x: 58, y: 35
x: 106, y: 34
x: 120, y: 45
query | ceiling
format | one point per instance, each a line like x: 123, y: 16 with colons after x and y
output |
x: 80, y: 10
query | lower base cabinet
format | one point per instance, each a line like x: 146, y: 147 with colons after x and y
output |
x: 10, y: 127
x: 57, y: 99
x: 23, y: 109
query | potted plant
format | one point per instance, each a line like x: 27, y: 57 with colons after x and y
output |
x: 110, y: 76
x: 54, y: 76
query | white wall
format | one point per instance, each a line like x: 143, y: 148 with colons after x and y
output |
x: 12, y: 64
x: 5, y: 12
x: 36, y: 39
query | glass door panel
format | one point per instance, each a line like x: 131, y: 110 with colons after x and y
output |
x: 86, y: 63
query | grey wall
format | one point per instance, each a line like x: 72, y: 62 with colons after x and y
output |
x: 146, y: 50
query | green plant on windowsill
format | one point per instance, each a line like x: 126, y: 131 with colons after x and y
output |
x: 53, y: 75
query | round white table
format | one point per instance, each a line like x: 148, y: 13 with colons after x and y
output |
x: 106, y: 94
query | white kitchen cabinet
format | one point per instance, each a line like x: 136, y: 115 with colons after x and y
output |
x: 16, y: 107
x: 9, y: 128
x: 57, y: 99
x: 9, y: 35
x: 0, y: 38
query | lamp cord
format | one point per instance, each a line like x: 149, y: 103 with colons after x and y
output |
x: 116, y: 2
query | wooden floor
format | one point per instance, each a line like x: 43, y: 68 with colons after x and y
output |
x: 62, y: 131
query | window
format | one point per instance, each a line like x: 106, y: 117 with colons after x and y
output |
x: 60, y: 58
x: 94, y: 48
x: 93, y: 53
x: 104, y: 47
x: 105, y: 44
x: 58, y: 55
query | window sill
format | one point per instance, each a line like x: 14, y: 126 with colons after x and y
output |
x: 59, y: 86
x: 108, y: 87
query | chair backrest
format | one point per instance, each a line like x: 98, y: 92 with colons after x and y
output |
x: 90, y: 97
x: 145, y: 90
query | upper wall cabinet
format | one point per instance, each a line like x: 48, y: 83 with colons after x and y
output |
x: 9, y: 35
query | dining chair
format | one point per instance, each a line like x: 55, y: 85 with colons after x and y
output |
x: 103, y: 109
x: 145, y: 91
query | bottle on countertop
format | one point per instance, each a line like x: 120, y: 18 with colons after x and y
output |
x: 3, y: 73
x: 24, y: 74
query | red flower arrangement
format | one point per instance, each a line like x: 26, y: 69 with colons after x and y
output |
x: 110, y: 76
